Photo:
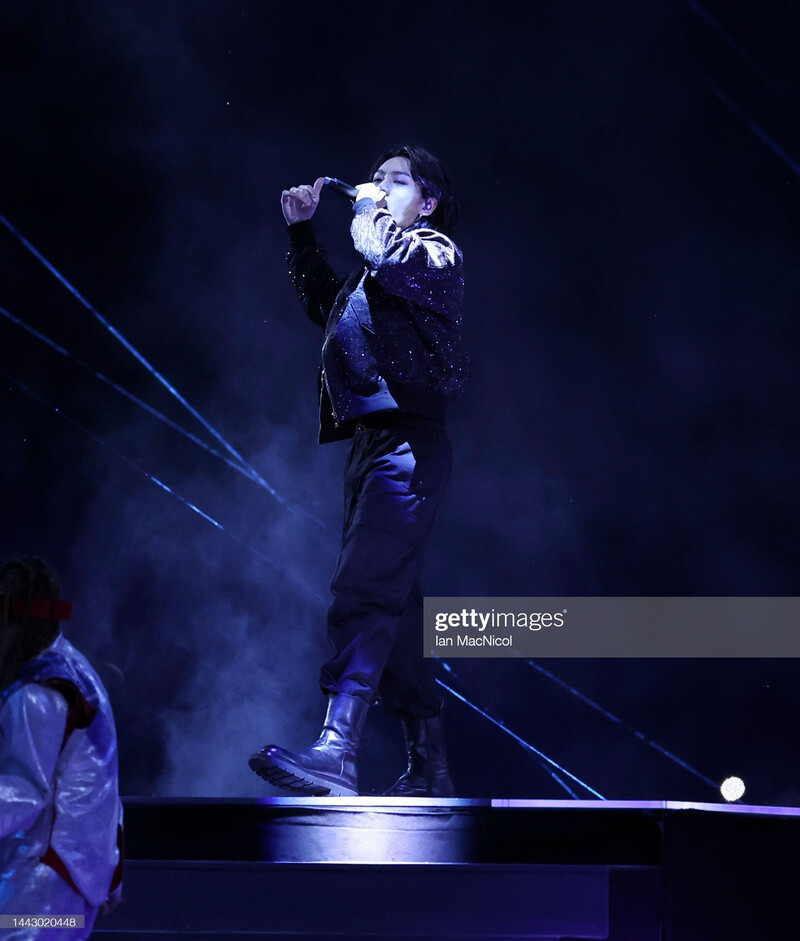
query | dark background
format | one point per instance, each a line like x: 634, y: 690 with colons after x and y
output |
x: 630, y: 229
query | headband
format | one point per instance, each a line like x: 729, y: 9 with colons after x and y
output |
x: 40, y: 609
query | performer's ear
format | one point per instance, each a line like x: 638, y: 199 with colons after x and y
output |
x: 429, y: 206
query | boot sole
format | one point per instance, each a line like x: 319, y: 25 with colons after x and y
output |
x: 282, y: 774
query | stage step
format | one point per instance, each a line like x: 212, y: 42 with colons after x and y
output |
x: 364, y: 869
x: 276, y: 900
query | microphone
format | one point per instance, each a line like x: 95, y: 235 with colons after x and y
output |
x: 339, y: 186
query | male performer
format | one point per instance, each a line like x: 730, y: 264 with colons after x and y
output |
x: 60, y: 814
x: 392, y: 359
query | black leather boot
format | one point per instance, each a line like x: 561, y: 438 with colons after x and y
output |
x: 427, y: 774
x: 326, y: 767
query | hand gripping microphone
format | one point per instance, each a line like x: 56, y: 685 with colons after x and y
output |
x: 339, y: 186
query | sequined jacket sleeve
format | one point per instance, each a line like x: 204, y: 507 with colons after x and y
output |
x: 314, y: 280
x: 418, y: 264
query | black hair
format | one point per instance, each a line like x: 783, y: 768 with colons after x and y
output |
x: 433, y: 180
x: 25, y: 580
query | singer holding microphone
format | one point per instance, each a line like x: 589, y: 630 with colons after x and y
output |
x: 392, y: 360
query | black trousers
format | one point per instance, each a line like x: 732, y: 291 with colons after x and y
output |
x: 394, y: 481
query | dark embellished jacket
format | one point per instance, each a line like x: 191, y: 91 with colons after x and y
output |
x: 392, y: 328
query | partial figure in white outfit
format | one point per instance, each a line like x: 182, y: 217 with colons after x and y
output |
x: 60, y: 813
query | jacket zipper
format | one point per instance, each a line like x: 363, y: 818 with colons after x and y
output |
x: 324, y: 378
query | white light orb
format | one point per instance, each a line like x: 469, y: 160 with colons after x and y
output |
x: 732, y: 789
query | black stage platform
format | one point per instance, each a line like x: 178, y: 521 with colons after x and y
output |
x: 390, y: 868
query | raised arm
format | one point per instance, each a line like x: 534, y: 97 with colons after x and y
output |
x: 314, y: 280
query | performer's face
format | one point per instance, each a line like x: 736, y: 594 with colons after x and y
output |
x: 404, y: 199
